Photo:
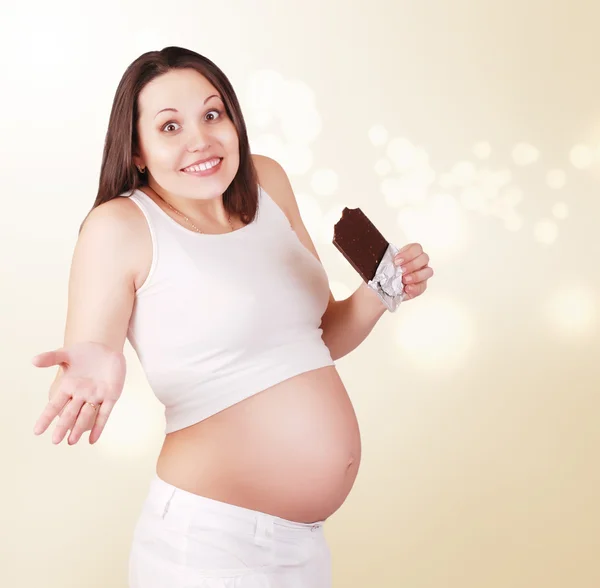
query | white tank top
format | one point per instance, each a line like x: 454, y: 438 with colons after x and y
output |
x: 222, y: 317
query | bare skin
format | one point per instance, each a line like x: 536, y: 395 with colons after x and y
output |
x: 292, y: 450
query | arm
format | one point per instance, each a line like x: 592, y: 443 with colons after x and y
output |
x: 101, y: 290
x: 102, y: 277
x: 345, y: 323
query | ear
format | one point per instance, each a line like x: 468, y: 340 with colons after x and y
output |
x: 137, y: 160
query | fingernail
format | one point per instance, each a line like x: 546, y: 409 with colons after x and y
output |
x: 408, y: 279
x: 399, y: 261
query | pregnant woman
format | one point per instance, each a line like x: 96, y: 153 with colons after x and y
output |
x: 195, y: 252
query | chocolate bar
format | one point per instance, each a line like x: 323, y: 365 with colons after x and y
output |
x: 359, y: 241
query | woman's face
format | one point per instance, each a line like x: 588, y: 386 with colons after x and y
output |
x: 195, y: 127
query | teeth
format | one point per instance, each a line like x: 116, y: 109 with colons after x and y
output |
x: 203, y: 166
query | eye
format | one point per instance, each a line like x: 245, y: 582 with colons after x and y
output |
x: 218, y: 112
x: 169, y: 124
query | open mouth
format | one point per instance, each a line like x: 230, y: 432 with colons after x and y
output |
x: 205, y: 168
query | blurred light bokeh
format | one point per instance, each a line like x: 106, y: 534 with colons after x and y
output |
x: 470, y: 127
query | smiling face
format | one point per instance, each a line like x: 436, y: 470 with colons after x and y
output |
x: 182, y: 121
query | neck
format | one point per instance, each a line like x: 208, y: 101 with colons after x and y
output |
x: 207, y: 212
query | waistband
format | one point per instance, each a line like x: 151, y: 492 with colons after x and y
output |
x: 168, y: 497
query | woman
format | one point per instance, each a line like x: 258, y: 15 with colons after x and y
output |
x: 195, y: 252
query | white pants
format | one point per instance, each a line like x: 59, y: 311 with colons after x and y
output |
x: 183, y: 540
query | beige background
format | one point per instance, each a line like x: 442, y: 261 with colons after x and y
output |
x: 472, y: 127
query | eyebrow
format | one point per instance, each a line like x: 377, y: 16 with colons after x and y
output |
x: 175, y: 109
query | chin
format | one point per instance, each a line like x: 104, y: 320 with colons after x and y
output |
x: 209, y: 187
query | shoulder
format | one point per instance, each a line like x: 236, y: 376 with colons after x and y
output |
x: 119, y: 220
x: 269, y: 171
x: 120, y: 226
x: 274, y: 180
x: 121, y: 217
x: 265, y: 166
x: 119, y: 213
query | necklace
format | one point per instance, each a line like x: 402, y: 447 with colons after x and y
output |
x: 187, y: 219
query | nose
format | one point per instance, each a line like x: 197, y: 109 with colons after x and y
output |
x: 199, y: 138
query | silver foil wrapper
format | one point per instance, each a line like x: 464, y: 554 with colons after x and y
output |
x: 387, y: 281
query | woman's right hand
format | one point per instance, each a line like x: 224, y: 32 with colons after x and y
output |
x: 92, y: 373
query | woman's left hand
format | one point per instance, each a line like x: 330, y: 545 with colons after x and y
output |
x: 415, y: 269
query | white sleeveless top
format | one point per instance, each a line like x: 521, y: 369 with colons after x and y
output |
x: 222, y: 317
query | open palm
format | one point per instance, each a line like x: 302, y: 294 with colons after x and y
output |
x: 91, y: 383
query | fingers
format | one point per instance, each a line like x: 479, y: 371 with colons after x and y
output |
x: 54, y: 407
x: 71, y: 403
x: 85, y: 421
x: 408, y: 253
x: 415, y: 290
x: 50, y: 358
x: 67, y: 420
x: 66, y: 404
x: 416, y: 282
x: 418, y: 276
x: 415, y: 263
x: 101, y: 419
x: 82, y: 390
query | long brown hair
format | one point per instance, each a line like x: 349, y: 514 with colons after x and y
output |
x: 118, y: 173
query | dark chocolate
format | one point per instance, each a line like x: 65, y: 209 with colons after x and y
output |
x: 359, y: 241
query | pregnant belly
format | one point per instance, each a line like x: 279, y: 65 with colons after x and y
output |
x: 292, y: 450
